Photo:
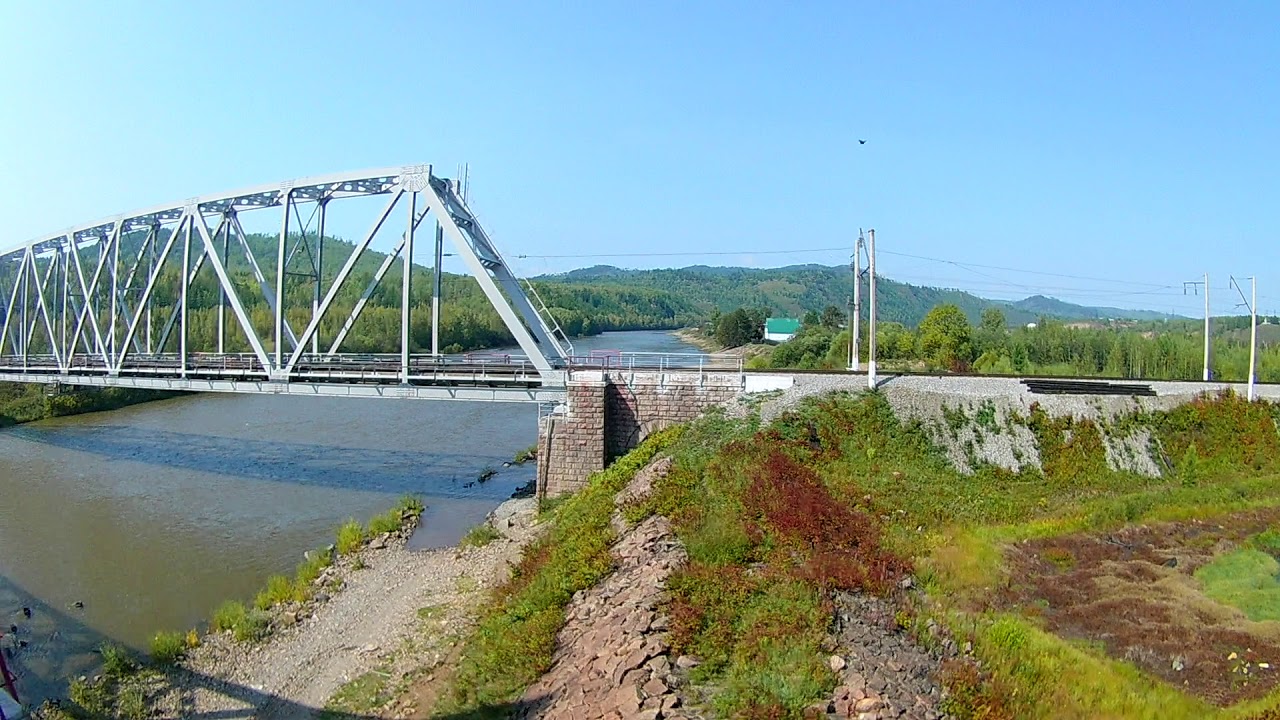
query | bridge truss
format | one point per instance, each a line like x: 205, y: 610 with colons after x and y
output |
x: 111, y: 303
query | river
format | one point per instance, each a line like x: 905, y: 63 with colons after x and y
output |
x: 152, y: 515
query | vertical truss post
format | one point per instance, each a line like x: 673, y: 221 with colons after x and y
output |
x: 12, y: 309
x: 65, y: 259
x: 319, y: 265
x: 222, y: 292
x: 115, y: 286
x: 280, y: 263
x: 87, y: 290
x: 151, y: 269
x: 26, y: 270
x: 41, y: 285
x: 186, y: 285
x: 435, y: 293
x: 405, y: 289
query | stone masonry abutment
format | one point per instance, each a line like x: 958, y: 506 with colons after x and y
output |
x: 608, y: 413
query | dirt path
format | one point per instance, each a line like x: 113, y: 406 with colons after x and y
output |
x: 296, y: 672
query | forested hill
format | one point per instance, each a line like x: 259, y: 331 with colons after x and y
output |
x: 796, y: 289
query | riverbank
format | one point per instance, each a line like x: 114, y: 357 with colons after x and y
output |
x: 381, y: 622
x: 28, y: 402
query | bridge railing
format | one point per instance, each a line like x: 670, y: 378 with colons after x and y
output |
x: 632, y: 362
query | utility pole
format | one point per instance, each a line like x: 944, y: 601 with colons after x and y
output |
x: 1194, y: 285
x: 855, y: 310
x: 871, y: 329
x: 1253, y: 329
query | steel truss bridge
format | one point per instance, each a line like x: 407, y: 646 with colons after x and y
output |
x: 82, y: 306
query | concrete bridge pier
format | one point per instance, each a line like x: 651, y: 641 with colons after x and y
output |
x: 607, y: 413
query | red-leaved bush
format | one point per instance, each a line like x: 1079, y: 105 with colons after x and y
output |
x: 833, y: 544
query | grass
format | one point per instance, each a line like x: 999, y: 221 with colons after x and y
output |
x: 387, y: 522
x: 527, y: 454
x: 117, y: 661
x: 361, y: 696
x: 351, y: 536
x: 480, y: 535
x: 167, y: 648
x: 1244, y: 579
x: 515, y: 637
x: 229, y: 615
x: 279, y: 590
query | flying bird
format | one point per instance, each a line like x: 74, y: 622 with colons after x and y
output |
x: 862, y: 142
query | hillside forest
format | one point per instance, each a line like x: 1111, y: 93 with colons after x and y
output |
x: 920, y: 327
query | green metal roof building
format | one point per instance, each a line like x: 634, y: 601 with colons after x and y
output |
x: 780, y: 329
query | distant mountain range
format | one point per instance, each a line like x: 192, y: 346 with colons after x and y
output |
x: 796, y: 289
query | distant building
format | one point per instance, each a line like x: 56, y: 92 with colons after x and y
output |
x: 780, y: 329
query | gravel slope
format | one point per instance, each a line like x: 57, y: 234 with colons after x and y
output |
x: 294, y: 673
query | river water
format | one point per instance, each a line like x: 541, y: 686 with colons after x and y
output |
x: 152, y: 515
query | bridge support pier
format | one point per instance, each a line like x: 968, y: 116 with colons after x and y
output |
x: 607, y: 414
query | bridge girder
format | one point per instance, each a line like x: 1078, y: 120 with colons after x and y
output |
x: 72, y: 313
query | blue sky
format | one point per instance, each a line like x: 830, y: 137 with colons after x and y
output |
x: 1133, y: 142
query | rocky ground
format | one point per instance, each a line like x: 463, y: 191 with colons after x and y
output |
x: 384, y: 610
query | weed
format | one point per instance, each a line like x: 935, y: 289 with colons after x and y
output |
x: 1060, y: 558
x: 279, y: 590
x: 480, y: 535
x: 228, y: 616
x: 167, y: 648
x: 350, y: 537
x: 117, y: 661
x: 359, y: 563
x: 93, y: 697
x: 387, y: 522
x: 255, y: 626
x: 527, y: 454
x: 515, y: 637
x: 361, y: 696
x: 131, y: 702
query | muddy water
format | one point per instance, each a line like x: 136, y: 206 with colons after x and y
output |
x: 151, y: 516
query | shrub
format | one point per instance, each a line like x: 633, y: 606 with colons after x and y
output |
x: 255, y: 626
x: 228, y: 616
x: 387, y: 522
x: 515, y: 637
x: 350, y: 537
x: 279, y: 590
x: 117, y: 661
x: 93, y: 697
x: 480, y: 535
x: 310, y: 569
x: 168, y: 648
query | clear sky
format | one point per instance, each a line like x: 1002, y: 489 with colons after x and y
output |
x: 1136, y: 142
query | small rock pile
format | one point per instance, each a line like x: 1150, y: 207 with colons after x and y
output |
x: 884, y: 672
x: 612, y: 654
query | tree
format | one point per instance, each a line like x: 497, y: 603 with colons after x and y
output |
x: 832, y: 317
x: 811, y: 320
x: 993, y: 319
x: 945, y: 336
x: 736, y: 329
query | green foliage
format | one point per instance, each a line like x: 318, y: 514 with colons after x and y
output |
x: 94, y: 698
x: 25, y: 402
x: 310, y: 568
x: 361, y: 696
x: 480, y: 535
x: 946, y: 338
x: 525, y: 455
x: 117, y: 661
x: 740, y: 327
x: 279, y: 590
x: 515, y: 637
x: 229, y: 615
x: 1246, y: 579
x: 350, y: 537
x: 168, y: 647
x: 387, y: 522
x: 255, y: 626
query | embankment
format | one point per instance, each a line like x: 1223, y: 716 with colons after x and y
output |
x: 28, y: 402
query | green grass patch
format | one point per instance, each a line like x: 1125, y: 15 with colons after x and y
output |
x: 527, y: 454
x: 480, y: 535
x: 117, y: 661
x: 361, y: 696
x: 255, y: 626
x: 228, y: 616
x: 279, y: 590
x: 168, y: 647
x: 514, y: 640
x: 351, y: 537
x: 1244, y: 579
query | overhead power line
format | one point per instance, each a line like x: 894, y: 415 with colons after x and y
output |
x: 684, y: 254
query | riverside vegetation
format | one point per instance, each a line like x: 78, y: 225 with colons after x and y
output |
x: 27, y: 402
x: 1075, y: 589
x: 127, y: 685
